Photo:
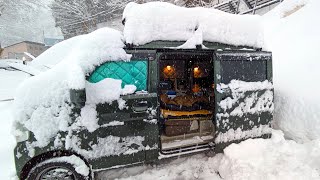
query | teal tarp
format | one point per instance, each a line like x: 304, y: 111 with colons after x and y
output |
x: 132, y: 72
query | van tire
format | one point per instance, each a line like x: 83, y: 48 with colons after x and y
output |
x: 49, y: 169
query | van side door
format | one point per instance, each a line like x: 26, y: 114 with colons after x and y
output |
x: 243, y: 96
x: 128, y: 128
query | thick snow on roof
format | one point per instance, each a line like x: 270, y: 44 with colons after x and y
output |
x: 42, y: 102
x: 164, y: 21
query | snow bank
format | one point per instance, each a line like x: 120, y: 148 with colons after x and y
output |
x: 253, y: 159
x: 271, y: 159
x: 164, y: 21
x: 294, y: 41
x: 42, y: 103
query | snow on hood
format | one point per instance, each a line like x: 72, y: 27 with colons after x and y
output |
x: 42, y: 102
x: 93, y: 44
x: 164, y: 21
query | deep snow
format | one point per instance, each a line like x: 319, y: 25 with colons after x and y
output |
x: 253, y: 159
x: 9, y: 81
x: 295, y: 41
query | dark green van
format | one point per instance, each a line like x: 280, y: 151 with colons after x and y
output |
x: 187, y: 101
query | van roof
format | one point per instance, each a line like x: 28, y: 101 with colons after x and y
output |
x: 153, y: 21
x: 174, y: 44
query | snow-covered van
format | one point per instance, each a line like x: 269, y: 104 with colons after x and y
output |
x: 107, y: 106
x: 184, y: 101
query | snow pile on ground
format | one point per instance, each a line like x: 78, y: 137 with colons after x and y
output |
x: 253, y: 159
x: 164, y: 21
x: 294, y: 41
x: 42, y: 103
x: 271, y: 159
x: 195, y: 167
x: 9, y: 81
x: 7, y: 140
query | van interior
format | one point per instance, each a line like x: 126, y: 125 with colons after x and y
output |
x: 186, y: 96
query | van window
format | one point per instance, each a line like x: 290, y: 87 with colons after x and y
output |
x: 134, y: 72
x: 245, y: 70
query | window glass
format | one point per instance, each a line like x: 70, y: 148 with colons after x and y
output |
x: 245, y: 70
x: 132, y: 72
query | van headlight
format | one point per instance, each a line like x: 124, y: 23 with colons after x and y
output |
x: 20, y: 132
x: 21, y: 135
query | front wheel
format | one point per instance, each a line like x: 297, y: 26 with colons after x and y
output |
x: 60, y: 168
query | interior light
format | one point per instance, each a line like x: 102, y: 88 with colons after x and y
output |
x: 196, y: 69
x: 169, y: 67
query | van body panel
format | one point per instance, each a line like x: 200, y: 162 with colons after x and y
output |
x: 248, y: 67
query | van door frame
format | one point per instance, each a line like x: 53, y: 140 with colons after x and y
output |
x: 160, y: 53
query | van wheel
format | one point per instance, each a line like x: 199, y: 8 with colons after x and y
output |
x: 55, y: 170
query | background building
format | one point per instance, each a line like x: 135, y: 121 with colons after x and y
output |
x: 23, y: 50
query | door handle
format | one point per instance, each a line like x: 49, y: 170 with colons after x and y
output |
x: 139, y: 107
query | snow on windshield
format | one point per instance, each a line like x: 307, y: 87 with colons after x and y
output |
x: 164, y: 21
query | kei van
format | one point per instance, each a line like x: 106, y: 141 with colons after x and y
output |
x: 186, y: 101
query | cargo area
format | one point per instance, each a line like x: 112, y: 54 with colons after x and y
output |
x: 186, y: 96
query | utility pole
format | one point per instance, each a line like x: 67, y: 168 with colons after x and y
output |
x: 1, y: 49
x: 1, y: 7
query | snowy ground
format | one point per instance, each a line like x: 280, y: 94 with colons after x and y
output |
x: 9, y: 81
x: 7, y: 141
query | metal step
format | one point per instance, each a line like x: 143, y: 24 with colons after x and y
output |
x: 186, y: 149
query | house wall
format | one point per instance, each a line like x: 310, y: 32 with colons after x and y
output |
x: 16, y: 51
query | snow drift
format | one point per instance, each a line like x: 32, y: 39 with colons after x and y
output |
x: 164, y: 21
x: 271, y: 159
x: 292, y: 34
x: 253, y: 159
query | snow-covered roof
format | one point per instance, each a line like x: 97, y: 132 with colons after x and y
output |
x: 153, y: 21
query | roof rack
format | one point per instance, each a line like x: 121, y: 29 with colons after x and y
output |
x: 173, y: 44
x: 232, y: 6
x: 254, y: 5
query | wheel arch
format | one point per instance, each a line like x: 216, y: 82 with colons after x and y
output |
x: 48, y: 155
